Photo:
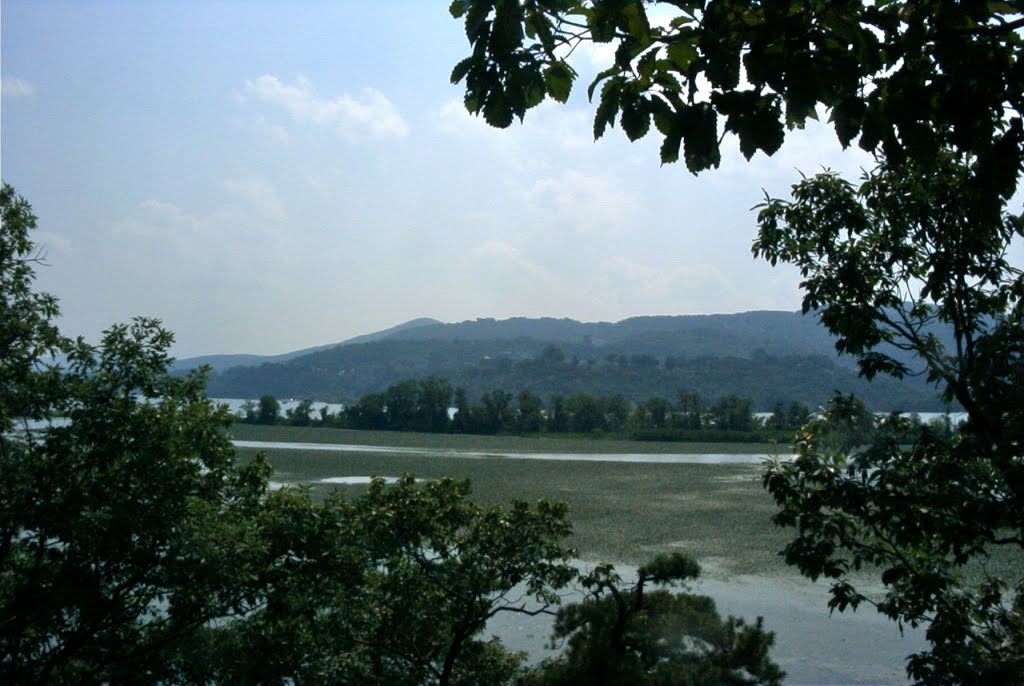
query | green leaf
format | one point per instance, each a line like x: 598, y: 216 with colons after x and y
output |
x: 682, y: 54
x: 476, y: 19
x: 874, y: 125
x: 524, y: 89
x: 918, y: 139
x: 846, y: 118
x: 497, y: 109
x: 664, y: 78
x: 611, y: 71
x: 700, y: 138
x: 558, y: 80
x: 608, y: 108
x: 998, y: 168
x: 636, y: 120
x: 601, y: 20
x: 670, y: 146
x: 461, y: 69
x: 664, y: 116
x: 636, y: 22
x: 507, y: 29
x: 767, y: 124
x: 645, y: 67
x: 458, y: 8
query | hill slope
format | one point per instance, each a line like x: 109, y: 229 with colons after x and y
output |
x: 766, y: 356
x: 221, y: 362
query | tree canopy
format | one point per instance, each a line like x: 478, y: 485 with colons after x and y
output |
x: 134, y: 549
x: 906, y: 79
x: 934, y: 90
x: 124, y: 525
x: 941, y: 515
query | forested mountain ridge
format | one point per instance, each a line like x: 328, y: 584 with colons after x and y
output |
x: 775, y: 332
x: 694, y: 335
x: 765, y: 356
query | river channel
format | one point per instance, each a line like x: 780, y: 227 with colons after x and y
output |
x: 647, y: 458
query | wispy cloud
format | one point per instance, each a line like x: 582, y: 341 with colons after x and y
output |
x: 14, y: 87
x: 581, y: 203
x: 269, y: 131
x: 257, y: 193
x: 52, y: 242
x: 370, y: 114
x: 240, y: 242
x: 508, y: 283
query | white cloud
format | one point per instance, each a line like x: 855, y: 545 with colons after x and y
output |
x: 52, y: 242
x: 270, y: 131
x: 158, y: 219
x: 508, y: 283
x: 258, y: 194
x: 654, y: 284
x: 581, y: 203
x: 252, y: 216
x: 453, y: 118
x: 178, y: 257
x: 351, y: 118
x: 500, y: 250
x: 637, y: 285
x: 14, y: 87
x: 599, y: 56
x: 564, y: 126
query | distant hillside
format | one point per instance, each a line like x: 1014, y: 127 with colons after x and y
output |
x: 766, y: 356
x: 221, y: 362
x: 776, y: 333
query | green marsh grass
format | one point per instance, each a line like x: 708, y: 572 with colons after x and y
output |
x: 621, y: 512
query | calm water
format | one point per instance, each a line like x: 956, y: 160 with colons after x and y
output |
x: 813, y: 647
x: 655, y: 458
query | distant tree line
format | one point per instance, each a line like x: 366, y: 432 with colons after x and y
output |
x: 424, y: 405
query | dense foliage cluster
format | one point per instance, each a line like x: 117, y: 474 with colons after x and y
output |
x: 424, y: 405
x: 942, y: 515
x: 134, y: 549
x: 907, y: 79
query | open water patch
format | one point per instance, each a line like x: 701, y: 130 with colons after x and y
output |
x: 356, y: 480
x: 814, y: 647
x: 648, y: 458
x: 336, y: 480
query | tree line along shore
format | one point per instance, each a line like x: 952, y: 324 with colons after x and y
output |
x: 433, y: 405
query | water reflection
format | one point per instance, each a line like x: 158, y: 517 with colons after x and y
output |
x: 813, y: 646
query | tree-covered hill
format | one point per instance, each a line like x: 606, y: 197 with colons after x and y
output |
x: 765, y: 356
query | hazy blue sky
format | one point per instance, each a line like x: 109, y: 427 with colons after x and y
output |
x: 267, y: 176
